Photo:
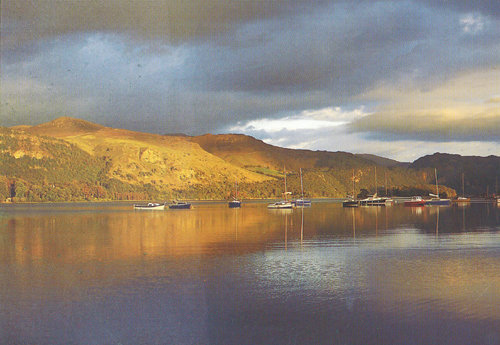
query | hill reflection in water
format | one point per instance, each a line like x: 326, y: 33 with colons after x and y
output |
x: 87, y: 273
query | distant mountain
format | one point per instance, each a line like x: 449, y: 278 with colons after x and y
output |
x: 385, y: 162
x: 326, y: 174
x: 85, y: 161
x: 481, y: 174
x: 246, y: 151
x: 62, y: 127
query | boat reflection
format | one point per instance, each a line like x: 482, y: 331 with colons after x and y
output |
x: 253, y: 267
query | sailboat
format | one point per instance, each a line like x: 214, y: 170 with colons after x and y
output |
x: 436, y: 200
x: 283, y: 204
x: 462, y: 198
x: 301, y: 201
x: 235, y: 202
x: 496, y: 191
x: 375, y: 200
x: 352, y: 202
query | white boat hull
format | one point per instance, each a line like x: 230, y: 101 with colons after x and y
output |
x: 280, y: 205
x: 150, y: 206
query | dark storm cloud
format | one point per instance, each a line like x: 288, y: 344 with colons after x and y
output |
x: 201, y: 66
x: 490, y: 7
x: 168, y: 20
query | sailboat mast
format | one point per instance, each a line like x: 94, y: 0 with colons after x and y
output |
x: 376, y: 187
x: 386, y: 183
x: 301, y: 185
x: 437, y: 185
x: 353, y: 183
x: 463, y: 184
x: 284, y: 173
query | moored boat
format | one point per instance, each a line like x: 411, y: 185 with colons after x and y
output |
x: 461, y: 199
x: 350, y: 203
x: 415, y: 201
x: 150, y: 206
x: 373, y: 200
x: 301, y: 201
x: 176, y: 205
x: 283, y: 204
x: 436, y: 200
x: 235, y: 203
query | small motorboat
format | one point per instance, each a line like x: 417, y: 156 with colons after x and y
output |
x: 437, y: 201
x: 350, y: 203
x: 283, y: 204
x: 178, y: 205
x: 150, y: 206
x: 374, y: 200
x: 234, y: 203
x: 415, y: 201
x: 301, y: 202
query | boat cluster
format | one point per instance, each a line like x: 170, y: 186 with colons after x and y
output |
x: 287, y: 204
x: 159, y: 206
x: 415, y: 200
x: 373, y: 200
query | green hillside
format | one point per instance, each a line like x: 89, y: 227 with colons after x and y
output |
x: 73, y: 160
x: 37, y: 168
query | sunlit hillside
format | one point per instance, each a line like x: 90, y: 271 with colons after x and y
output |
x: 166, y: 162
x: 85, y: 161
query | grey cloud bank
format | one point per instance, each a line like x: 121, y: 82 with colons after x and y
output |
x: 426, y: 73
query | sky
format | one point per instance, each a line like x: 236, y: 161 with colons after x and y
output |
x: 395, y: 78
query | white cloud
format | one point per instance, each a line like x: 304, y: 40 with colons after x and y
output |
x: 306, y: 120
x: 472, y: 23
x: 335, y: 114
x: 329, y: 129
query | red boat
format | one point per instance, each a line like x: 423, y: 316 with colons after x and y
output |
x: 415, y: 201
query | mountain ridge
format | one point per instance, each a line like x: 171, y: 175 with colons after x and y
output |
x: 207, y: 166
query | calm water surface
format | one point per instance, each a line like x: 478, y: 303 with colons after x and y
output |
x: 106, y: 274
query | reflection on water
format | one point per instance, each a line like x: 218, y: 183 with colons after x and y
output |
x: 106, y: 274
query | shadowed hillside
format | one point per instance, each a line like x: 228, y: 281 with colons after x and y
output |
x: 325, y: 174
x: 481, y: 174
x: 254, y: 154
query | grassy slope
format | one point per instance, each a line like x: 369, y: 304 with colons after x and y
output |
x: 167, y: 162
x: 325, y: 174
x: 209, y: 164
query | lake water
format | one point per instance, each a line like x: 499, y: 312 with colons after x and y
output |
x: 106, y: 274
